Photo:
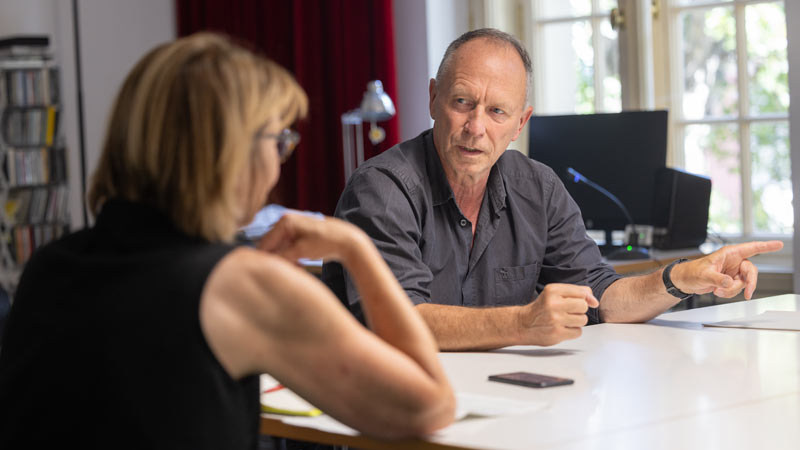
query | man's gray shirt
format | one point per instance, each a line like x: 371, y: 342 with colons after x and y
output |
x: 529, y: 232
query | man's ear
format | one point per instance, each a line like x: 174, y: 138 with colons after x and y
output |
x: 431, y: 95
x: 523, y: 120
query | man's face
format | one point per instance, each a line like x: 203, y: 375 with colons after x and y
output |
x: 478, y: 108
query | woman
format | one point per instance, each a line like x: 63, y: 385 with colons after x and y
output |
x: 150, y: 329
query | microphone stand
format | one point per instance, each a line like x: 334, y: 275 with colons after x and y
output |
x: 632, y: 250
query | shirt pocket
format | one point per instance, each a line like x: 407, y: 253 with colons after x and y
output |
x: 515, y: 285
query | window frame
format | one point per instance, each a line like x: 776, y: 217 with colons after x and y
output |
x: 671, y: 11
x: 600, y: 69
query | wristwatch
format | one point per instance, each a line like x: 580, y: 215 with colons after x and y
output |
x: 671, y: 289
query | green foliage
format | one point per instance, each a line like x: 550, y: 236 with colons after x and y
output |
x: 767, y: 62
x: 711, y: 90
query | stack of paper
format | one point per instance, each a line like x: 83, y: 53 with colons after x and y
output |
x: 769, y: 320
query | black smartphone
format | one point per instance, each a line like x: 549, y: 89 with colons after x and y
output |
x: 530, y: 379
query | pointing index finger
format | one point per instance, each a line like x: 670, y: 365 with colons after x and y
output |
x: 748, y: 249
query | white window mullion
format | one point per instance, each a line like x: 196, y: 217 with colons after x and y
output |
x: 599, y: 61
x: 534, y: 37
x: 475, y: 14
x: 676, y: 157
x: 744, y: 125
x: 644, y: 28
x: 747, y: 186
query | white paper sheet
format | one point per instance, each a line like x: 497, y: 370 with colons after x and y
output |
x: 769, y: 320
x: 467, y: 405
x: 322, y: 423
x: 476, y: 405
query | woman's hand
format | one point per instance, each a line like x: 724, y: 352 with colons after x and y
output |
x: 296, y: 236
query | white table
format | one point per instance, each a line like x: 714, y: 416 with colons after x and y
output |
x: 670, y: 383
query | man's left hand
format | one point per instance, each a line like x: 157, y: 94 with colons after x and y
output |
x: 725, y: 272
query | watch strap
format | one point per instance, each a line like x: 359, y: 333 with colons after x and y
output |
x: 671, y: 289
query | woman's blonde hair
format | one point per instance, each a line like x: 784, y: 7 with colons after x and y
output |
x: 181, y: 131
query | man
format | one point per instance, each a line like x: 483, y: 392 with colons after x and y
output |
x: 487, y: 243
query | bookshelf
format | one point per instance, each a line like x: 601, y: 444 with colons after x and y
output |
x: 33, y: 179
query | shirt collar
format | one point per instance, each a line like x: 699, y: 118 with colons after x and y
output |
x: 496, y: 187
x: 440, y: 187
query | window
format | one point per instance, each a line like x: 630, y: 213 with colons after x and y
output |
x: 576, y: 57
x: 723, y: 71
x: 730, y: 103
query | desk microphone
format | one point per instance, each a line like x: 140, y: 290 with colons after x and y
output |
x: 632, y: 250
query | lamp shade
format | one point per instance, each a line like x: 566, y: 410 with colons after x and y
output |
x: 376, y: 105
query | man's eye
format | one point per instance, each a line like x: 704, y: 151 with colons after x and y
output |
x: 498, y: 111
x: 463, y: 103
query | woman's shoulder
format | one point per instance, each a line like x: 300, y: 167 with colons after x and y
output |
x: 249, y: 261
x: 248, y: 302
x: 250, y: 275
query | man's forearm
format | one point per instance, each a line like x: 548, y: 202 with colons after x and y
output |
x: 636, y: 299
x: 463, y: 328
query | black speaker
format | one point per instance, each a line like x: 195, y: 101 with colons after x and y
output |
x: 680, y: 209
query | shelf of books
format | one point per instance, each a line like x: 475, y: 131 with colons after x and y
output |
x: 33, y: 179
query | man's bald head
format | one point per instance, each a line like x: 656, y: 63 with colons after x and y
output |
x: 493, y: 35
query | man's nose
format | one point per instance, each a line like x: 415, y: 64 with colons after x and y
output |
x: 475, y: 125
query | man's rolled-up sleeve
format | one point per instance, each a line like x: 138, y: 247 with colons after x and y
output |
x: 573, y: 257
x: 382, y: 205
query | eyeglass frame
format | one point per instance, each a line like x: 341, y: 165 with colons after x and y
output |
x: 287, y: 141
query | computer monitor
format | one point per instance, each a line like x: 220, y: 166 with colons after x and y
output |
x: 621, y: 152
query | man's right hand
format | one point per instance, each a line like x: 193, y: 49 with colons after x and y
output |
x: 557, y: 314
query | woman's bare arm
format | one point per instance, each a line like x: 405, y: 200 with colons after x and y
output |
x: 260, y: 313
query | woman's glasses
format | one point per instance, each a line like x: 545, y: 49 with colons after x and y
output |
x: 287, y: 141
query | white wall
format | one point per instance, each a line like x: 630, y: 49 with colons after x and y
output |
x: 446, y: 20
x: 423, y: 30
x: 114, y: 34
x: 27, y: 17
x: 411, y: 52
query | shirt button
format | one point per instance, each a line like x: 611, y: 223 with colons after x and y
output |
x: 463, y: 222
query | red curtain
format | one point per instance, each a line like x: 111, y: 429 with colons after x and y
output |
x: 333, y: 47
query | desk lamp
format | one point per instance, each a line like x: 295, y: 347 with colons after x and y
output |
x: 376, y: 106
